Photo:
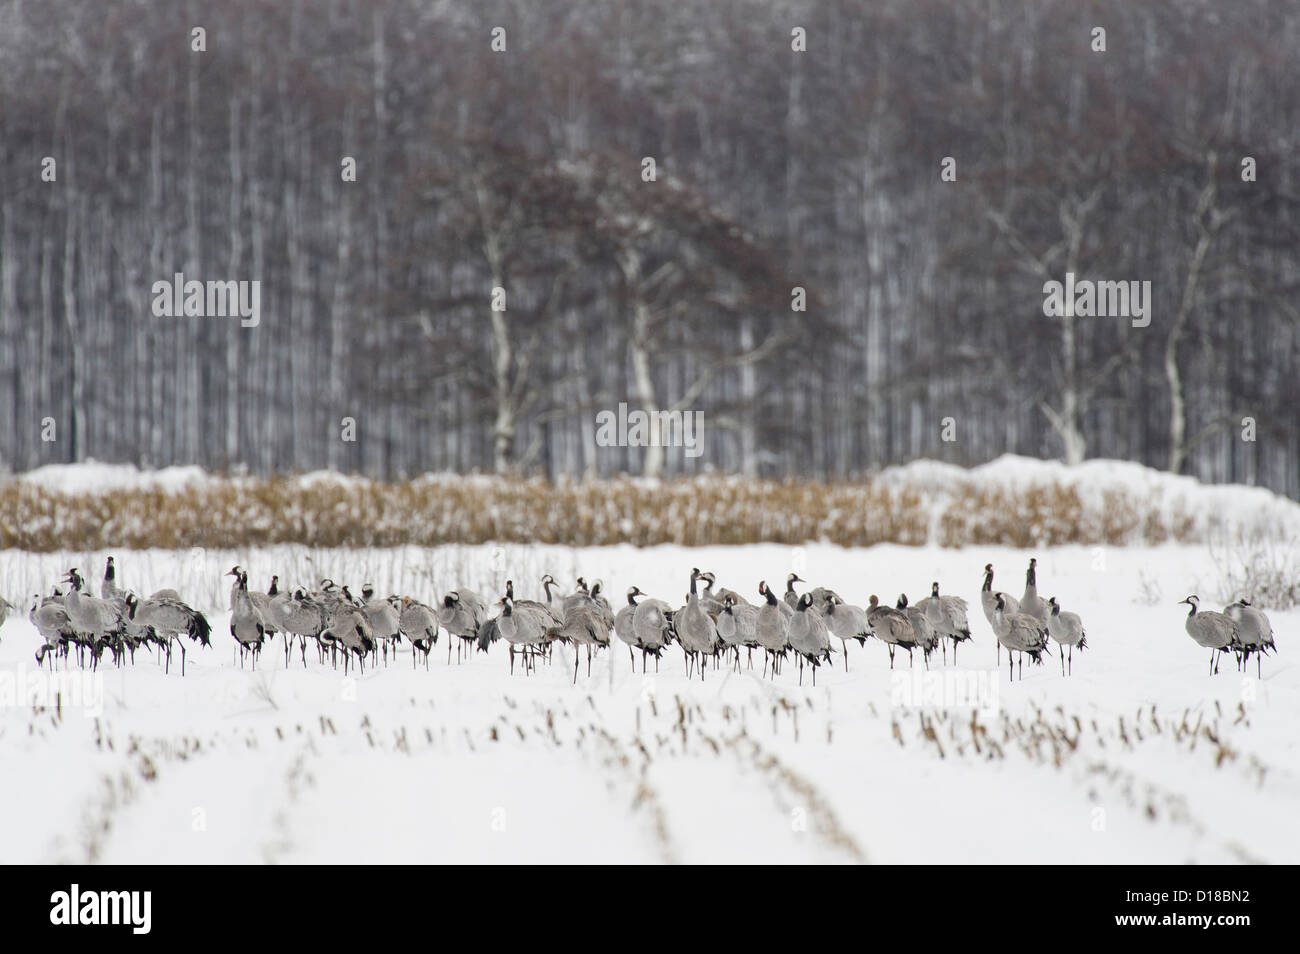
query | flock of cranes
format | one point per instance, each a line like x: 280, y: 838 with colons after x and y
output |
x: 714, y: 623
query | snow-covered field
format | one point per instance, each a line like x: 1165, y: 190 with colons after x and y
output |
x: 1141, y: 756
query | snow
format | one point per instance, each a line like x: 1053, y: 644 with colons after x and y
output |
x: 330, y: 478
x: 1232, y: 508
x: 92, y: 477
x: 464, y: 762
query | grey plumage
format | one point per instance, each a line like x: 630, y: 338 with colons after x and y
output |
x: 1216, y: 632
x: 947, y: 614
x: 927, y: 637
x: 820, y: 595
x: 583, y: 626
x: 461, y: 613
x: 50, y: 617
x: 892, y: 627
x: 1020, y: 633
x: 737, y: 626
x: 845, y: 622
x: 736, y: 623
x: 170, y: 619
x: 809, y: 638
x: 382, y: 616
x: 526, y: 625
x: 1254, y: 632
x: 556, y: 607
x: 418, y: 623
x: 1031, y: 604
x: 772, y: 626
x: 623, y: 628
x: 653, y: 625
x: 262, y: 603
x: 349, y: 627
x: 1067, y: 630
x: 109, y: 589
x: 590, y: 599
x: 695, y: 629
x: 601, y: 605
x: 548, y: 613
x: 246, y: 624
x: 710, y: 602
x: 579, y: 597
x: 300, y: 614
x: 791, y: 598
x: 720, y: 593
x: 97, y: 622
x: 989, y: 601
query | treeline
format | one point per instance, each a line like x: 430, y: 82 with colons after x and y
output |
x: 1166, y: 157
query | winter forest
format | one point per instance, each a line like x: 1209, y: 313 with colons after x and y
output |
x: 825, y: 225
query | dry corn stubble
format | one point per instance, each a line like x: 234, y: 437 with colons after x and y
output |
x: 688, y: 512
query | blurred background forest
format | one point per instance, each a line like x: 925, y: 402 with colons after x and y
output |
x: 522, y: 169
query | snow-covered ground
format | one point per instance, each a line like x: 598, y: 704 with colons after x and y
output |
x: 1141, y: 756
x: 1098, y: 480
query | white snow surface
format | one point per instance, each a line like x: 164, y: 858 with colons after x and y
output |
x: 92, y: 477
x: 1235, y: 508
x: 1140, y: 756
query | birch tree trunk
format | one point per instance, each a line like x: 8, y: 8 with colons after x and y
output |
x: 1208, y: 221
x: 232, y: 273
x: 629, y: 261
